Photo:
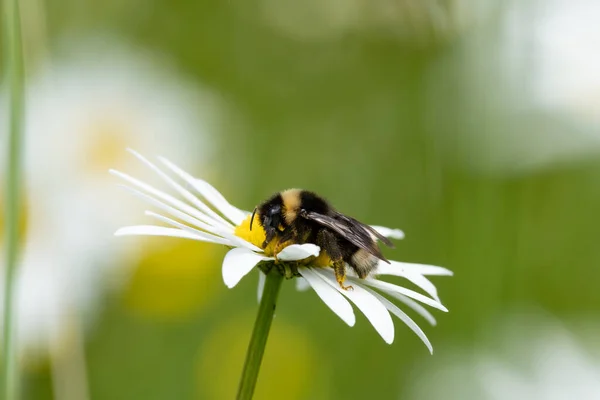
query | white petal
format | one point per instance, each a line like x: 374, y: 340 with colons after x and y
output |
x: 302, y: 285
x: 206, y: 237
x: 261, y: 285
x: 388, y: 287
x: 414, y: 277
x: 173, y: 211
x: 423, y: 269
x: 389, y: 232
x: 150, y: 230
x: 165, y: 199
x: 331, y: 297
x: 419, y: 309
x: 182, y: 191
x: 210, y: 227
x: 211, y: 194
x: 297, y: 252
x: 403, y: 317
x: 238, y: 263
x: 434, y: 270
x: 373, y: 309
x: 424, y: 284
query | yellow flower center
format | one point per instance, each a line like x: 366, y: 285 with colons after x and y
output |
x: 257, y: 236
x: 108, y: 134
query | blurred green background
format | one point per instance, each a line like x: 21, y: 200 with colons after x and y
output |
x: 472, y: 126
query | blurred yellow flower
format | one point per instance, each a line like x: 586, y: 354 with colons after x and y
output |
x: 174, y: 279
x: 291, y: 367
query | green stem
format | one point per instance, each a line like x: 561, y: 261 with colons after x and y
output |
x: 15, y: 80
x: 262, y: 325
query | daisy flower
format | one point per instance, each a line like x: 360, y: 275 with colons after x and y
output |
x: 83, y: 106
x: 82, y: 109
x: 201, y: 213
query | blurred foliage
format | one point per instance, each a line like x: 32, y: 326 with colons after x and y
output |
x: 348, y: 116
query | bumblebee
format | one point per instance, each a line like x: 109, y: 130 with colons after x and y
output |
x: 297, y: 216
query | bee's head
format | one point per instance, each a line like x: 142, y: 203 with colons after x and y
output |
x: 270, y: 216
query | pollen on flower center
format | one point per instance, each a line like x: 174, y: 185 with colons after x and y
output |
x: 257, y: 236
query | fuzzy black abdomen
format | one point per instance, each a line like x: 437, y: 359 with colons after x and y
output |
x: 338, y: 248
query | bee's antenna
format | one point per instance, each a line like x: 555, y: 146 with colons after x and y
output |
x: 252, y: 219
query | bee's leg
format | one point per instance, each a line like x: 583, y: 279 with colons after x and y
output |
x: 339, y: 268
x: 288, y: 235
x: 328, y: 243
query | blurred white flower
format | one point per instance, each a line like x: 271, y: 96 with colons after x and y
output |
x: 211, y: 218
x: 81, y: 110
x: 412, y: 21
x: 526, y: 358
x: 566, y: 36
x: 530, y: 95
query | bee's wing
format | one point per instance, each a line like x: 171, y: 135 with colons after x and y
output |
x: 378, y: 235
x: 350, y: 229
